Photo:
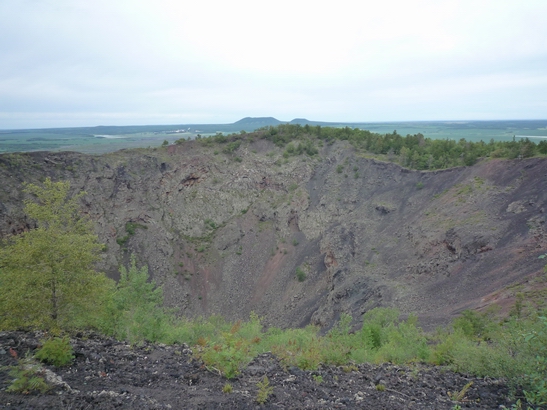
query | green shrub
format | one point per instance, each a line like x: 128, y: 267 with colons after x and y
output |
x: 264, y: 390
x: 339, y: 343
x: 375, y: 323
x: 515, y: 349
x: 460, y: 395
x: 317, y: 378
x: 28, y: 377
x: 230, y: 347
x: 300, y: 274
x: 405, y: 342
x: 135, y: 312
x: 229, y: 354
x: 535, y: 380
x: 473, y: 324
x: 121, y: 241
x: 380, y: 387
x: 295, y: 347
x: 443, y: 352
x: 56, y: 351
x: 130, y: 228
x: 231, y: 147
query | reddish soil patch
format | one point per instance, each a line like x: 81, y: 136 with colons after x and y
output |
x: 268, y: 275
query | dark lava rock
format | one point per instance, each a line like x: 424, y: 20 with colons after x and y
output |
x: 151, y: 376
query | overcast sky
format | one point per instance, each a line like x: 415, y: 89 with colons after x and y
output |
x: 116, y: 62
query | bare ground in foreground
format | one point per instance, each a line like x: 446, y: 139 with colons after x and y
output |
x: 108, y: 374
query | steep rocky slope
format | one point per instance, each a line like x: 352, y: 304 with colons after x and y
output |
x: 224, y: 232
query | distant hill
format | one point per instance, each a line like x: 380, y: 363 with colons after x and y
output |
x: 301, y: 121
x: 258, y: 122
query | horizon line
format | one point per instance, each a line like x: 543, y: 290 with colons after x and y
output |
x: 281, y: 121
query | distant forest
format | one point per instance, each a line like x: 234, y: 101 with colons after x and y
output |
x: 411, y: 151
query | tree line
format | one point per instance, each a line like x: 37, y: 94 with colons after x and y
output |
x: 410, y: 151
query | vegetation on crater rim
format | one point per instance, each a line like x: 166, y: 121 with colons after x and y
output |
x: 412, y: 151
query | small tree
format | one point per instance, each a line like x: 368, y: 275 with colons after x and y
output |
x: 136, y: 310
x: 46, y: 274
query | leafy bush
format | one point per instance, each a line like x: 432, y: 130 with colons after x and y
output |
x: 300, y: 274
x: 230, y: 352
x: 339, y: 343
x: 306, y: 147
x: 130, y: 228
x: 473, y: 324
x: 375, y: 323
x: 317, y: 378
x: 231, y: 147
x: 264, y: 390
x: 405, y: 343
x: 56, y: 351
x: 446, y: 346
x: 535, y: 381
x: 209, y: 223
x: 515, y: 349
x: 28, y: 377
x: 135, y: 312
x: 460, y: 395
